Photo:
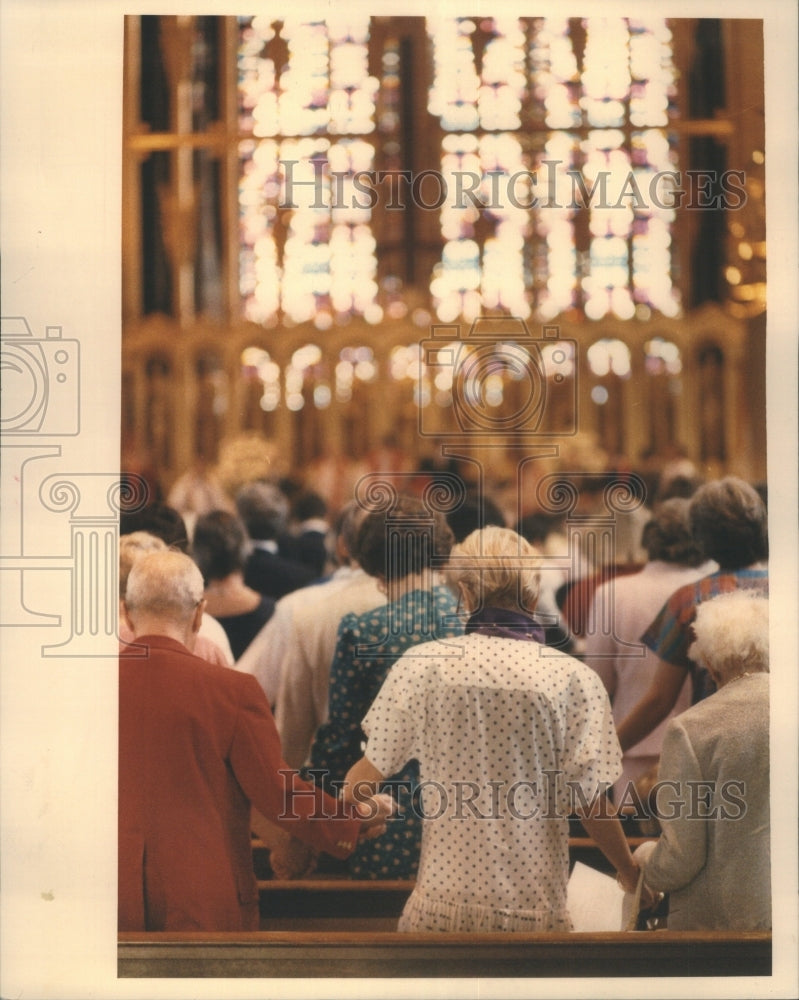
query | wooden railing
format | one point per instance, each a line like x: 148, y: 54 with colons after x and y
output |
x: 339, y: 954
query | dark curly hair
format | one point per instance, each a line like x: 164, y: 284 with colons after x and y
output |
x: 406, y: 539
x: 473, y: 512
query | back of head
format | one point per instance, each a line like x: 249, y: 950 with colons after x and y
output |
x: 426, y: 540
x: 308, y: 505
x: 158, y: 519
x: 678, y: 486
x: 264, y: 510
x: 133, y: 547
x: 475, y: 511
x: 496, y: 567
x: 731, y: 633
x: 164, y: 585
x: 729, y: 522
x: 219, y: 545
x: 537, y: 527
x: 345, y: 531
x: 668, y: 537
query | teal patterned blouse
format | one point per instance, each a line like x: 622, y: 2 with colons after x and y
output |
x: 368, y: 645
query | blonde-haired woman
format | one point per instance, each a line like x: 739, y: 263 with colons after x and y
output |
x: 510, y: 737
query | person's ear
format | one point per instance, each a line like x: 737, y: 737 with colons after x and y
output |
x: 125, y: 615
x: 197, y: 621
x: 529, y: 604
x: 465, y: 598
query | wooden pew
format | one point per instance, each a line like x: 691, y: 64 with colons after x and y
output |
x: 283, y: 954
x: 335, y: 902
x: 331, y: 925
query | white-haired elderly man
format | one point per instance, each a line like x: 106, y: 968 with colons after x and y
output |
x: 713, y: 856
x: 197, y: 749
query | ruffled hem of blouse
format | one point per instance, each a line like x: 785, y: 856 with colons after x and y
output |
x: 425, y: 913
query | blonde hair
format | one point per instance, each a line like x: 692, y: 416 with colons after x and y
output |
x: 133, y: 547
x: 498, y: 568
x: 732, y: 634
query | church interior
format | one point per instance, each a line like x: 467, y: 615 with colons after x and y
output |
x: 523, y: 250
x: 336, y: 234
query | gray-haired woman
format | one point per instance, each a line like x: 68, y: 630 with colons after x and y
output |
x: 713, y: 856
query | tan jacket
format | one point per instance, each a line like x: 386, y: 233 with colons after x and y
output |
x: 713, y: 856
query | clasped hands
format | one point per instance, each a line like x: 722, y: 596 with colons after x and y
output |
x: 292, y: 859
x: 628, y: 880
x: 373, y: 810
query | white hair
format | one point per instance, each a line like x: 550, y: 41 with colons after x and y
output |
x: 164, y: 584
x: 731, y: 633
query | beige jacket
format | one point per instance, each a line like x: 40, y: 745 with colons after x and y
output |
x: 713, y: 857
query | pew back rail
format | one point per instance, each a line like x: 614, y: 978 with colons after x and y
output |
x: 284, y: 954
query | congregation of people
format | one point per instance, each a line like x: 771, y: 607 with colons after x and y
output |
x: 404, y: 693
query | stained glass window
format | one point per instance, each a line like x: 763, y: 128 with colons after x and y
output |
x: 365, y: 180
x: 549, y: 186
x: 609, y: 355
x: 597, y: 144
x: 308, y: 252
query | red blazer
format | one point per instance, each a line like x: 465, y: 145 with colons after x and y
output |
x: 197, y: 747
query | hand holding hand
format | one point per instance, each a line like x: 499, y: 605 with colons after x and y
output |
x: 374, y: 813
x: 628, y: 880
x: 649, y: 897
x: 289, y: 858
